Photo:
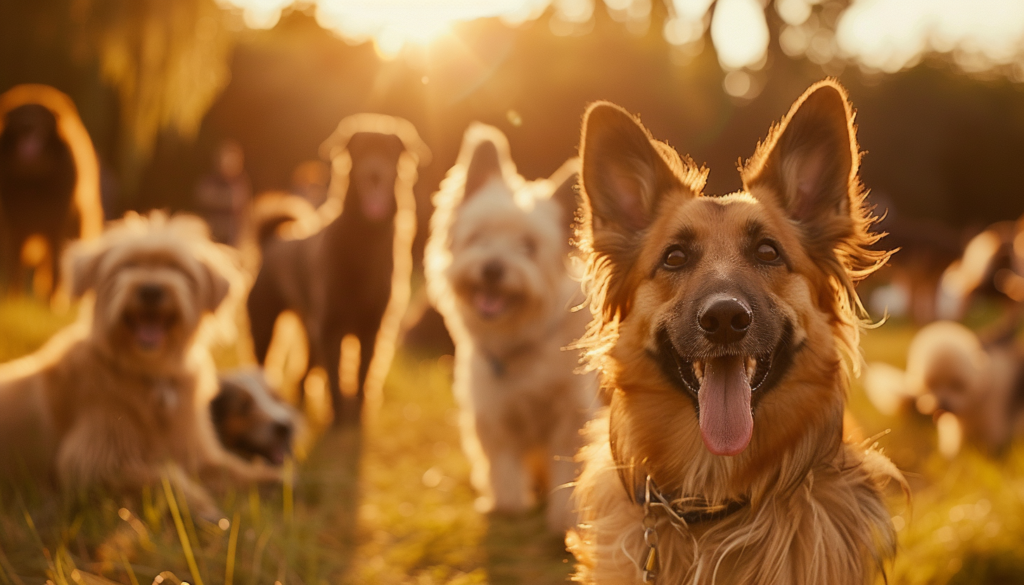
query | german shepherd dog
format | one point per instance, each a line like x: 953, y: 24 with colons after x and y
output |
x: 726, y: 328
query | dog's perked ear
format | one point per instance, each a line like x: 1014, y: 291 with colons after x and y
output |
x: 218, y: 287
x: 485, y: 155
x: 81, y: 264
x: 483, y: 167
x: 808, y: 166
x: 566, y: 194
x: 624, y: 174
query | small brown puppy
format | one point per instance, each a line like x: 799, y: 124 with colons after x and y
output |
x: 251, y: 419
x: 120, y: 400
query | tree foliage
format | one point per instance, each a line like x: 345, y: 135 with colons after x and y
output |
x: 167, y: 59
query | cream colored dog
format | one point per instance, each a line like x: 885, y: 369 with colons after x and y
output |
x: 121, y: 399
x: 497, y: 269
x: 973, y: 390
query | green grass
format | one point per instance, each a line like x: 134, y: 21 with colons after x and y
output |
x: 394, y: 505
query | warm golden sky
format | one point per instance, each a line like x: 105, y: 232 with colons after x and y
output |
x: 880, y: 34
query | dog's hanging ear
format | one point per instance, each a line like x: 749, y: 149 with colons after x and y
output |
x: 81, y: 266
x: 624, y: 174
x: 485, y: 155
x: 566, y: 193
x: 219, y: 286
x: 808, y: 167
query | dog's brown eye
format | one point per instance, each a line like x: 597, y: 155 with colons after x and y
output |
x: 674, y: 258
x: 767, y: 253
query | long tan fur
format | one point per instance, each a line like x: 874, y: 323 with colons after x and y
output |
x: 94, y: 408
x: 812, y: 510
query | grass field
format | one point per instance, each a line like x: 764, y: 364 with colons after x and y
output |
x: 394, y: 505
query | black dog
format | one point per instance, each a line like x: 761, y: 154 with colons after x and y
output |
x: 351, y: 277
x: 49, y: 181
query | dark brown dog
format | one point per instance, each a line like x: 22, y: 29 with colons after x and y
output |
x: 250, y: 418
x: 352, y: 275
x: 49, y: 180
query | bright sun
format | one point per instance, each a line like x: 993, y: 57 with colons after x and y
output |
x: 392, y: 24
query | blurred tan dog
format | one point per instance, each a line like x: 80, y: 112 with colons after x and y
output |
x: 251, y: 419
x: 120, y: 399
x: 975, y: 391
x: 497, y: 270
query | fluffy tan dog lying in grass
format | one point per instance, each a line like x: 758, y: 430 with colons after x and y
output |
x: 120, y: 399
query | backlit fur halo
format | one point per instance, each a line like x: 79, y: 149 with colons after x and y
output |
x: 607, y: 290
x: 853, y: 258
x: 449, y: 197
x: 73, y: 132
x: 201, y: 276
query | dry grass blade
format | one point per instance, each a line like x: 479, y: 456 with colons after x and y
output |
x: 182, y: 535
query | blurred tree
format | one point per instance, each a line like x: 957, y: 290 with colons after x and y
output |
x: 168, y: 61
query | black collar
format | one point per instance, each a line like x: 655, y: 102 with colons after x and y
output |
x: 499, y: 365
x: 685, y: 510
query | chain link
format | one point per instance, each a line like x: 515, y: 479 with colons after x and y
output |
x: 650, y: 526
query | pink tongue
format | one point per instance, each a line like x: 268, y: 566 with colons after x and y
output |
x: 376, y: 206
x: 726, y: 423
x: 489, y: 304
x: 149, y: 335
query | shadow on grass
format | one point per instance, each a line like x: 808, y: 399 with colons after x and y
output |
x: 520, y: 550
x: 329, y: 491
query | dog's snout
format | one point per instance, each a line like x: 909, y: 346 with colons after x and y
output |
x: 151, y: 294
x: 283, y: 431
x: 493, y: 271
x: 724, y: 319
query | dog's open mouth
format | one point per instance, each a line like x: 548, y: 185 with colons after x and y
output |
x: 725, y: 386
x: 149, y: 329
x: 492, y: 303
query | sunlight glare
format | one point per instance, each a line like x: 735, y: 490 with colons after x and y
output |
x: 739, y: 33
x: 391, y: 24
x: 890, y: 35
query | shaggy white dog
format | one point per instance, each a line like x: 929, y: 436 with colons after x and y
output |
x: 498, y: 269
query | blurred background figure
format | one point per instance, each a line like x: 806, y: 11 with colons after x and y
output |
x: 309, y: 181
x: 49, y: 185
x: 224, y: 195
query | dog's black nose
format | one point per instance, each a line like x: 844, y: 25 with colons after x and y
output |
x: 493, y: 271
x: 724, y: 319
x: 151, y: 294
x: 283, y: 431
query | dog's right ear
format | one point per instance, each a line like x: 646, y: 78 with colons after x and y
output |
x: 485, y: 156
x: 484, y: 166
x: 81, y: 267
x: 624, y: 172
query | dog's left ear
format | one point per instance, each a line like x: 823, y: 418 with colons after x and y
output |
x: 808, y: 166
x: 219, y: 287
x: 566, y: 194
x: 81, y: 267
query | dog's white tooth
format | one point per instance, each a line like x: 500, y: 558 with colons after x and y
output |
x: 751, y: 367
x: 698, y: 370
